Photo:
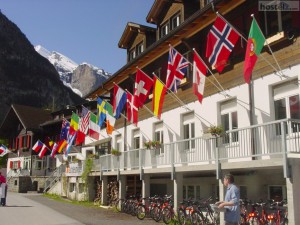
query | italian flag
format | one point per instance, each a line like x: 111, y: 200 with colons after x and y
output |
x: 255, y: 44
x: 94, y: 129
x: 110, y: 119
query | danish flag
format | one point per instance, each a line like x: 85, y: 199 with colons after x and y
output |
x: 132, y: 109
x: 220, y: 41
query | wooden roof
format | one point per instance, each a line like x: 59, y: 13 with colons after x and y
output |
x: 157, y: 8
x: 29, y: 117
x: 197, y: 22
x: 131, y: 31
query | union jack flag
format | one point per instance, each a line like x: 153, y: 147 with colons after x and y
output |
x: 177, y: 67
x: 220, y: 41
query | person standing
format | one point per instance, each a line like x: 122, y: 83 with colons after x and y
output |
x: 231, y: 201
x: 3, y: 189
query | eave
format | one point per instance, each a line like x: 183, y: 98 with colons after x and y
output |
x: 197, y: 22
x: 132, y: 30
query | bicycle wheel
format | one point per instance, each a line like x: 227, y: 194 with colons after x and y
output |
x: 141, y: 212
x: 253, y: 221
x: 196, y: 218
x: 181, y: 217
x: 167, y: 215
x: 119, y: 205
x: 157, y: 213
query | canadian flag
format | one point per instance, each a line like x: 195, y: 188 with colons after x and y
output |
x: 199, y: 75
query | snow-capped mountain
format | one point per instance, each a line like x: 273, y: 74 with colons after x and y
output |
x: 82, y: 79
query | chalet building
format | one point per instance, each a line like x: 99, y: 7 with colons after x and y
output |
x: 260, y: 142
x: 21, y: 127
x: 260, y: 146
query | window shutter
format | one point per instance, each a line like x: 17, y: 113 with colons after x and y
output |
x: 19, y: 164
x: 17, y: 143
x: 28, y: 141
x: 11, y: 164
x: 21, y: 141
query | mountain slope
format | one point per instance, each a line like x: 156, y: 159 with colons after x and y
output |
x: 26, y: 77
x: 82, y: 79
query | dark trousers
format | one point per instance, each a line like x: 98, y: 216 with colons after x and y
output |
x: 3, y: 201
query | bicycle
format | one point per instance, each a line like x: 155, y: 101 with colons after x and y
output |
x: 280, y: 216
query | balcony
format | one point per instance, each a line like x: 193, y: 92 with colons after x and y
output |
x: 274, y: 141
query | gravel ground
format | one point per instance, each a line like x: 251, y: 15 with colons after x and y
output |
x: 90, y: 215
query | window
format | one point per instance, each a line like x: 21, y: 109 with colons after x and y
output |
x: 229, y: 120
x: 118, y: 144
x: 72, y: 187
x: 188, y: 71
x: 191, y: 192
x: 276, y: 21
x: 81, y: 187
x: 159, y: 136
x: 27, y: 162
x: 175, y: 21
x: 164, y: 30
x: 136, y: 142
x: 140, y: 48
x: 286, y: 104
x: 189, y: 131
x: 277, y: 192
x: 131, y: 54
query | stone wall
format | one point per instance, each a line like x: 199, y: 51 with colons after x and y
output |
x: 25, y: 184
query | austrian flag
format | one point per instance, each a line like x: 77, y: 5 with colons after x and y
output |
x: 220, y: 41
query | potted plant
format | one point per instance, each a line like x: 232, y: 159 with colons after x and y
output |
x: 115, y: 152
x: 148, y: 144
x: 216, y: 131
x: 156, y: 144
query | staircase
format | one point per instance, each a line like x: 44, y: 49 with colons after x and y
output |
x: 54, y: 177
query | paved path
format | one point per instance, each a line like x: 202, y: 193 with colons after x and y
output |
x: 35, y: 209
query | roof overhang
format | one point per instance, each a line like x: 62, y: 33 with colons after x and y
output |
x: 95, y: 143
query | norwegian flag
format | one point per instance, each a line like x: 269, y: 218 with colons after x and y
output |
x: 177, y: 67
x: 220, y: 41
x: 199, y: 75
x: 142, y: 87
x: 132, y: 109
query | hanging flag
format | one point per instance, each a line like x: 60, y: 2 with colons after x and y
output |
x: 70, y: 141
x: 177, y: 67
x: 132, y: 109
x: 110, y: 119
x: 84, y: 125
x: 61, y: 145
x: 255, y: 44
x: 48, y: 142
x: 3, y: 150
x: 142, y: 87
x: 37, y: 146
x: 199, y: 75
x: 94, y: 128
x: 159, y: 92
x: 101, y: 111
x: 75, y: 121
x: 43, y: 151
x: 220, y: 41
x: 65, y: 126
x: 119, y: 102
x: 54, y: 150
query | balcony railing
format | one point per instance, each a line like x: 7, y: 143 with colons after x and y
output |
x: 271, y: 140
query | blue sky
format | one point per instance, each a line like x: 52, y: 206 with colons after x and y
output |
x: 83, y: 30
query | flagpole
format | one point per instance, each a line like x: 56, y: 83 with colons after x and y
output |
x: 222, y: 89
x: 181, y: 102
x: 260, y: 55
x: 252, y: 15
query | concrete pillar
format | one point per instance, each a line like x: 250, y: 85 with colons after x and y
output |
x: 222, y: 196
x: 122, y: 187
x: 146, y: 186
x: 178, y: 189
x: 293, y: 196
x: 104, y: 183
